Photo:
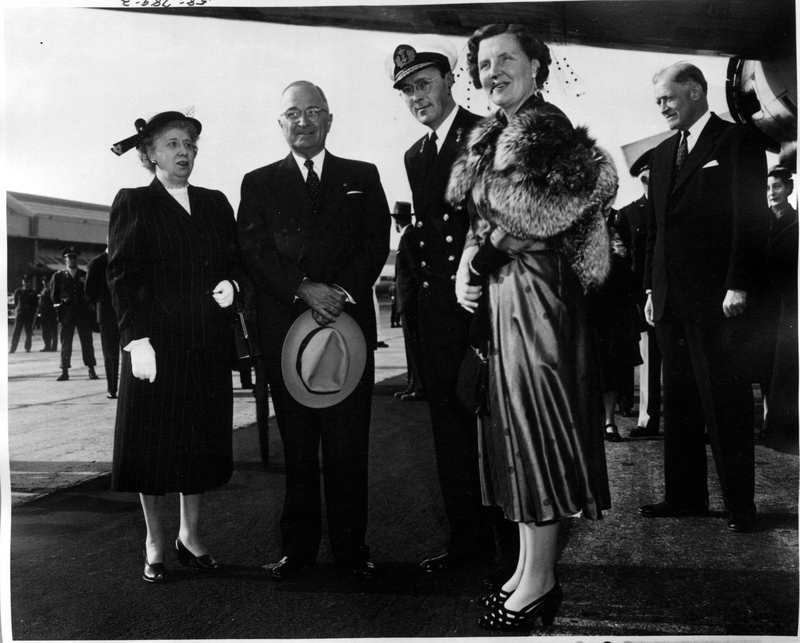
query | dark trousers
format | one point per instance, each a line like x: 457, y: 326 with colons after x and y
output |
x: 416, y: 382
x: 653, y: 375
x: 23, y: 322
x: 50, y: 332
x: 71, y: 320
x: 109, y: 340
x: 704, y: 391
x: 343, y: 432
x: 455, y: 438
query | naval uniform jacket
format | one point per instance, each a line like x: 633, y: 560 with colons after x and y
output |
x: 440, y: 232
x: 163, y: 263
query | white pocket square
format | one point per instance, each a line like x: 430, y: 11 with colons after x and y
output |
x: 713, y: 163
x: 354, y: 192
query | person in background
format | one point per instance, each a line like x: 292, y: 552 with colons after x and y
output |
x: 314, y: 236
x: 98, y: 293
x: 781, y: 430
x: 172, y: 267
x: 48, y: 319
x: 706, y: 243
x: 540, y: 189
x: 612, y: 315
x: 26, y: 301
x: 74, y: 312
x: 634, y: 216
x: 378, y: 327
x: 421, y: 70
x: 405, y: 295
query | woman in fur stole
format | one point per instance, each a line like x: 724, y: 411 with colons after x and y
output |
x: 538, y: 189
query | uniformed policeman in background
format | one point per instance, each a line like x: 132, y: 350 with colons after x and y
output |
x: 26, y: 301
x: 67, y: 288
x: 422, y: 70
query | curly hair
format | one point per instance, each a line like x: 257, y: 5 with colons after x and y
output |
x: 146, y: 146
x: 534, y: 48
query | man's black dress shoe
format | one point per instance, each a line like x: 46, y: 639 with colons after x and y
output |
x: 92, y: 374
x: 437, y: 564
x: 663, y: 510
x: 741, y: 522
x: 412, y: 397
x: 364, y: 571
x: 112, y: 396
x: 286, y: 567
x: 400, y: 394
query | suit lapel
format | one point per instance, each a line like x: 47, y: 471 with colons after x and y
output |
x: 440, y: 172
x: 702, y: 150
x: 333, y: 189
x: 168, y: 201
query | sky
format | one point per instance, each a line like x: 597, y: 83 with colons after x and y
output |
x: 77, y: 79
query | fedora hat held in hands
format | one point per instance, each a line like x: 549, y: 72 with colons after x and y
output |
x: 322, y: 365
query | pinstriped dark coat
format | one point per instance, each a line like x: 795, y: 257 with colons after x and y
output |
x: 173, y: 434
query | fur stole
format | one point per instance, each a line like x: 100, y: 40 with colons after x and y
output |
x: 540, y: 178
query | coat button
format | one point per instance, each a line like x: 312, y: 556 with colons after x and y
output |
x: 425, y: 284
x: 419, y: 224
x: 446, y: 217
x: 451, y: 258
x: 424, y: 264
x: 421, y: 244
x: 449, y: 239
x: 452, y: 277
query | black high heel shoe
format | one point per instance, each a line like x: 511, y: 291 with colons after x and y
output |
x: 204, y: 563
x: 155, y: 573
x: 494, y: 600
x: 545, y: 606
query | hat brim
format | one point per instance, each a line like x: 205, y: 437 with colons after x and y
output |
x: 356, y: 346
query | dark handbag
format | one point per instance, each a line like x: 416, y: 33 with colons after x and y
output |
x: 243, y: 348
x: 473, y: 381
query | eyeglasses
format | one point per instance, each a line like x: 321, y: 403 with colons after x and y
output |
x: 422, y: 87
x: 312, y: 114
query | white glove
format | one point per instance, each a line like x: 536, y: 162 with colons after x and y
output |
x: 223, y: 294
x: 143, y: 360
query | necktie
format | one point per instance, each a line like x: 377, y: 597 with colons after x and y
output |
x: 683, y: 151
x: 312, y: 183
x: 430, y: 150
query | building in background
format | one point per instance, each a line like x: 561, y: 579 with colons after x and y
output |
x: 38, y: 228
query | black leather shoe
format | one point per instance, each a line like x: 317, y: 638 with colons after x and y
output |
x: 400, y: 394
x: 436, y: 564
x: 612, y: 433
x: 286, y: 567
x: 112, y: 396
x: 92, y: 374
x: 741, y: 522
x: 663, y: 510
x: 643, y: 432
x: 204, y: 563
x: 64, y: 376
x: 412, y: 397
x: 155, y: 573
x: 364, y: 571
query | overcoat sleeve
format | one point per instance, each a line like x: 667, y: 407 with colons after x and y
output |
x: 128, y: 252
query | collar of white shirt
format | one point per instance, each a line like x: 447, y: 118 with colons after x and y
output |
x: 319, y: 161
x: 697, y: 129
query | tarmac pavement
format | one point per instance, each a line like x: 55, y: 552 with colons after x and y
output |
x: 75, y: 556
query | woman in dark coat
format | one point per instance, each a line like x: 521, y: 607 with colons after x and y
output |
x: 539, y: 189
x: 172, y: 260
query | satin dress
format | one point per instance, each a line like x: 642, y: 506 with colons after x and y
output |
x: 542, y: 453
